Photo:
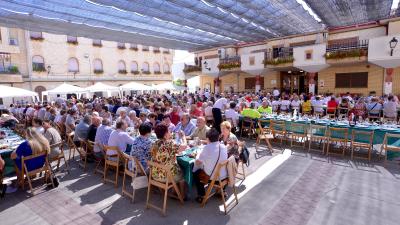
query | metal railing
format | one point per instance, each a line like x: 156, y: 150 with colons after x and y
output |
x: 230, y: 59
x: 279, y: 53
x: 348, y: 46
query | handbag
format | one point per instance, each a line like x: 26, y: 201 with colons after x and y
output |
x: 203, y: 176
x: 244, y: 156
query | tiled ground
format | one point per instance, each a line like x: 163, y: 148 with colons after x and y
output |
x: 282, y: 189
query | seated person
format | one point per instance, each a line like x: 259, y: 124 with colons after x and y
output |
x: 275, y: 104
x: 295, y: 103
x: 360, y: 108
x: 265, y: 108
x: 229, y: 139
x: 52, y: 135
x: 142, y: 144
x: 213, y: 153
x: 317, y: 105
x: 390, y: 108
x: 102, y: 135
x: 374, y: 107
x: 164, y: 151
x: 201, y: 129
x: 93, y: 128
x: 251, y: 112
x: 306, y: 106
x: 37, y: 124
x: 153, y: 122
x: 134, y: 121
x: 344, y: 106
x: 232, y: 114
x: 35, y: 143
x: 285, y: 104
x: 185, y: 125
x: 82, y: 130
x: 167, y: 121
x: 331, y: 105
x: 195, y: 111
x: 120, y: 138
x: 123, y: 116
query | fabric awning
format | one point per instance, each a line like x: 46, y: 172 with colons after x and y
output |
x: 99, y: 87
x: 10, y: 92
x: 134, y: 86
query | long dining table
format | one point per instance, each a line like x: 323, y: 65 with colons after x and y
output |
x: 7, y: 145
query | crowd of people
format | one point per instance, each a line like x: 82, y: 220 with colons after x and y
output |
x: 158, y: 126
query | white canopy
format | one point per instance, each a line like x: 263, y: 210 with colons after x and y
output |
x: 99, y: 87
x: 134, y: 86
x: 168, y: 86
x: 10, y: 92
x: 65, y: 89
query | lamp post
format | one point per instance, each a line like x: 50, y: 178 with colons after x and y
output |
x: 48, y: 71
x: 90, y: 65
x: 392, y: 45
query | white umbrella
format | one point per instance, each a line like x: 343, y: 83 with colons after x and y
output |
x: 98, y: 87
x: 10, y: 92
x: 65, y: 89
x: 168, y: 86
x: 134, y: 86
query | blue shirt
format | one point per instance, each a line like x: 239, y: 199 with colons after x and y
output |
x: 188, y: 129
x: 81, y: 131
x: 102, y: 136
x: 141, y: 150
x: 24, y: 149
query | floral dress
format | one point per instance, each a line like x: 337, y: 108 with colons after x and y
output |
x: 164, y: 152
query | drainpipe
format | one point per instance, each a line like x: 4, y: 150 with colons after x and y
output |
x: 28, y: 55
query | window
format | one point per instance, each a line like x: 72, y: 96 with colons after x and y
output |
x: 133, y: 47
x: 134, y: 67
x: 12, y: 36
x: 72, y: 40
x: 352, y: 80
x: 73, y: 65
x: 252, y: 60
x: 121, y: 67
x: 145, y: 48
x: 309, y: 54
x: 121, y: 45
x: 156, y: 67
x: 166, y: 68
x: 166, y: 51
x: 98, y: 66
x: 250, y: 83
x: 145, y: 68
x: 5, y: 61
x: 97, y: 43
x: 156, y: 50
x: 36, y: 35
x: 38, y: 63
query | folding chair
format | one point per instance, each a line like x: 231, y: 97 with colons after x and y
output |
x: 298, y: 133
x: 264, y: 134
x: 138, y: 182
x: 164, y: 185
x: 71, y: 145
x: 30, y: 171
x: 318, y: 110
x: 99, y: 160
x: 331, y: 112
x: 391, y: 142
x: 343, y: 112
x: 219, y: 184
x: 374, y: 115
x: 278, y: 128
x: 337, y: 135
x: 318, y: 133
x: 60, y: 156
x: 84, y: 151
x: 111, y: 160
x: 248, y: 126
x: 363, y: 140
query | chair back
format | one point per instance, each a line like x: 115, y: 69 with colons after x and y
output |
x: 343, y: 111
x: 34, y: 162
x: 298, y: 128
x: 263, y: 125
x: 338, y: 133
x: 136, y: 165
x: 277, y: 125
x: 220, y: 166
x: 374, y: 113
x: 318, y: 130
x: 392, y: 141
x: 161, y: 168
x: 361, y: 136
x: 115, y: 152
x: 247, y: 121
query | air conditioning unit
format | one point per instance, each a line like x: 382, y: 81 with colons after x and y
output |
x: 222, y: 53
x: 13, y: 41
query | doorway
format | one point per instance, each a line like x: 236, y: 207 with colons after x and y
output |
x: 294, y: 82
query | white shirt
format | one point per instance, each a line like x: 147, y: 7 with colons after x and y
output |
x: 275, y: 105
x: 390, y: 109
x: 209, y: 156
x: 295, y: 104
x: 120, y: 139
x: 220, y: 103
x: 276, y: 93
x: 317, y: 104
x: 232, y: 114
x: 120, y: 109
x: 208, y: 111
x: 285, y: 104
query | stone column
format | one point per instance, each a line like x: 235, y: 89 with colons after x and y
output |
x: 388, y: 82
x: 311, y: 82
x: 258, y: 86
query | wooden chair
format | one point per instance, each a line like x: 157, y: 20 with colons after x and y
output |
x: 84, y: 151
x: 71, y: 145
x: 219, y: 184
x: 343, y: 112
x: 138, y: 182
x: 162, y: 185
x: 99, y: 160
x: 278, y: 128
x: 337, y: 135
x: 318, y: 110
x: 60, y: 156
x: 374, y: 115
x: 390, y: 143
x: 363, y: 140
x: 264, y: 134
x: 318, y: 133
x: 298, y: 132
x: 111, y: 160
x: 247, y: 126
x: 331, y: 112
x: 30, y: 172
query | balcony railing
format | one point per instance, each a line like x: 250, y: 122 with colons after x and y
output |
x: 9, y: 70
x: 72, y: 40
x: 191, y: 68
x: 229, y: 63
x: 347, y: 49
x: 278, y: 56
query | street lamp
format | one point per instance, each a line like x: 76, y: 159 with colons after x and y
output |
x: 392, y: 45
x: 48, y: 70
x: 86, y: 55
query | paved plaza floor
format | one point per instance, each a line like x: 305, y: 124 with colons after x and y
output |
x: 292, y: 187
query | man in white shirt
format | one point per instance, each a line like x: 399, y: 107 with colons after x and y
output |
x: 390, y: 108
x: 217, y: 109
x: 207, y: 161
x: 317, y: 105
x: 275, y: 92
x: 232, y: 114
x: 120, y: 138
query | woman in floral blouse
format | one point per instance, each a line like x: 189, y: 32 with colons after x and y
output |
x: 164, y: 152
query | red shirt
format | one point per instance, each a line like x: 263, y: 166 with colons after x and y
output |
x: 196, y: 113
x: 332, y: 104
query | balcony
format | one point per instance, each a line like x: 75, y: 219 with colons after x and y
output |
x: 310, y: 58
x: 9, y: 74
x: 191, y: 69
x: 347, y: 52
x: 230, y: 63
x: 279, y: 58
x: 253, y: 63
x: 72, y: 40
x: 121, y: 46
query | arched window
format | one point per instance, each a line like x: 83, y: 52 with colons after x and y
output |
x: 121, y: 66
x: 145, y: 67
x: 73, y: 65
x: 134, y: 66
x: 156, y: 67
x: 166, y: 68
x: 38, y: 63
x: 98, y: 66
